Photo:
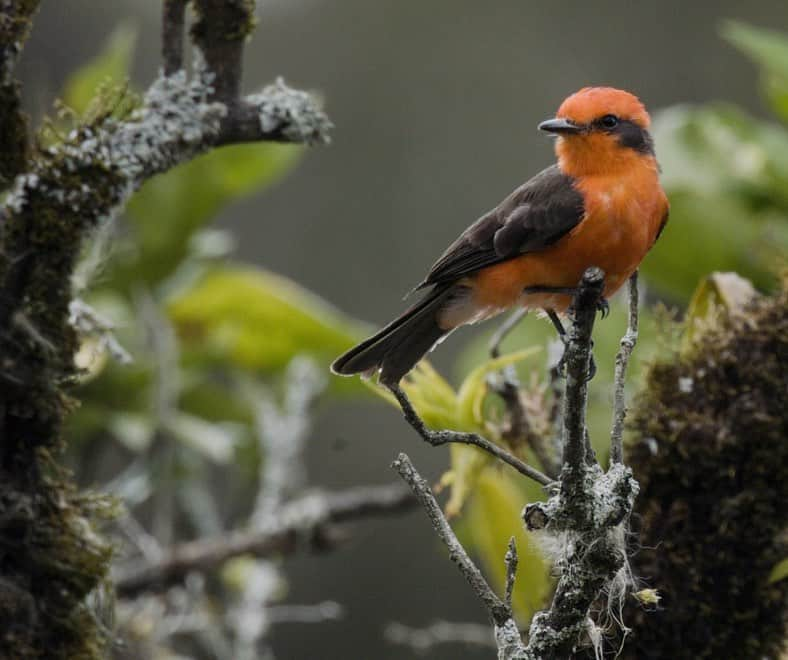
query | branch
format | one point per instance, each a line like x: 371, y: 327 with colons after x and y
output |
x: 587, y: 510
x: 422, y: 640
x: 577, y: 359
x: 438, y: 438
x: 302, y: 518
x: 628, y: 342
x: 498, y: 611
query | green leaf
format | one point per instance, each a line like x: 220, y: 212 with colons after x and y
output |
x: 493, y: 518
x: 769, y: 50
x: 111, y: 65
x: 727, y: 292
x: 779, y: 571
x: 170, y: 208
x: 214, y: 441
x: 258, y: 321
x: 474, y: 387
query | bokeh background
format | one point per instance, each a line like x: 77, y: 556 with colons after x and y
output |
x: 435, y: 106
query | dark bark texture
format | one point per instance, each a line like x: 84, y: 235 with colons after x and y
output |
x: 712, y: 460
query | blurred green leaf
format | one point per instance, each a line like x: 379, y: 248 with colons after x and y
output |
x: 215, y: 442
x: 779, y: 572
x: 473, y: 390
x: 719, y: 291
x: 256, y: 320
x: 170, y: 208
x: 133, y: 430
x: 726, y: 175
x: 493, y: 518
x: 110, y: 65
x: 535, y: 331
x: 769, y: 50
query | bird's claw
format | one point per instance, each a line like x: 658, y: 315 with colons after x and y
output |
x: 603, y: 306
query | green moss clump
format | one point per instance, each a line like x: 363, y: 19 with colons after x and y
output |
x: 712, y: 461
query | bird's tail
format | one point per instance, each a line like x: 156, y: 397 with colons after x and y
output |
x: 401, y: 344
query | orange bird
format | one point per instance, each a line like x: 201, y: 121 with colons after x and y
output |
x: 600, y: 205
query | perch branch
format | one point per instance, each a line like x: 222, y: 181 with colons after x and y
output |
x: 511, y: 560
x: 438, y: 438
x: 628, y: 342
x: 303, y: 518
x: 587, y: 509
x: 577, y: 359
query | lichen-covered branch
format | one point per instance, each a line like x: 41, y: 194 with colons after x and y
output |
x: 628, y: 342
x: 295, y: 525
x: 587, y: 511
x: 52, y: 559
x: 590, y: 507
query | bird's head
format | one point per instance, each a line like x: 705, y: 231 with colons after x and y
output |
x: 601, y: 130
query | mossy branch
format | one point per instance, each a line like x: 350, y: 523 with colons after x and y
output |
x: 51, y: 557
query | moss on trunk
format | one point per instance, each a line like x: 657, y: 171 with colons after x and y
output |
x: 712, y: 461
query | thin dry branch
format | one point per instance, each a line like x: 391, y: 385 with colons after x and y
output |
x: 304, y: 518
x: 438, y: 438
x: 498, y: 611
x: 628, y: 342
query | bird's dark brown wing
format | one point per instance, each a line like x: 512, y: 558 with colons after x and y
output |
x: 534, y: 216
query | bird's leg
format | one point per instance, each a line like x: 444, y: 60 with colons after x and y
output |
x: 563, y: 337
x: 602, y: 306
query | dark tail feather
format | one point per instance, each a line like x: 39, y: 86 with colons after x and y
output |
x: 401, y: 344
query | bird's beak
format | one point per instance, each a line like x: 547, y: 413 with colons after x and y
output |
x: 560, y: 127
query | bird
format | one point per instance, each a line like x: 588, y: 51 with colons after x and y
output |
x: 601, y: 204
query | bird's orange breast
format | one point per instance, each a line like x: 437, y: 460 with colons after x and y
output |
x: 623, y: 215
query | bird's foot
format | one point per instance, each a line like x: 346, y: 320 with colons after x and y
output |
x: 603, y: 306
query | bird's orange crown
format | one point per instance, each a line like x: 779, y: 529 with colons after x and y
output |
x: 591, y: 103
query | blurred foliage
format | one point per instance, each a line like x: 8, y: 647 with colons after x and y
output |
x: 110, y: 65
x: 253, y: 319
x: 726, y: 174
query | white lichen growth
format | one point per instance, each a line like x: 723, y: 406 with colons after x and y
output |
x: 174, y: 123
x: 292, y: 112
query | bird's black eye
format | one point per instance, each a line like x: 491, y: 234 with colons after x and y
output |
x: 609, y: 121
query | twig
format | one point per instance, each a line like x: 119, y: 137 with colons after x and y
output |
x: 422, y: 640
x: 511, y: 560
x: 301, y: 518
x: 498, y: 611
x: 438, y: 438
x: 628, y: 342
x: 172, y: 35
x: 504, y: 329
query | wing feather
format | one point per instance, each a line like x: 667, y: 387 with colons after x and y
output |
x: 533, y: 217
